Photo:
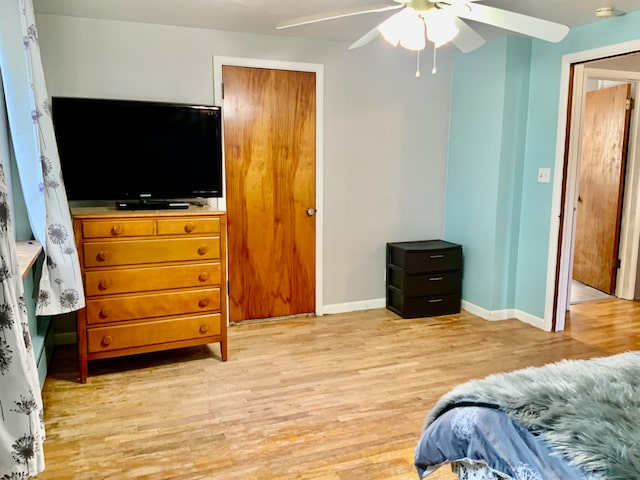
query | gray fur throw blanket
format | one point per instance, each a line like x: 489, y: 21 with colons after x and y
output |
x: 587, y: 410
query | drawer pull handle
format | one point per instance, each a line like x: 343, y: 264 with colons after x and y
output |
x: 204, y: 276
x: 203, y: 250
x: 117, y: 230
x: 435, y: 300
x: 105, y: 312
x: 102, y: 255
x: 204, y: 328
x: 436, y: 256
x: 435, y: 279
x: 105, y: 283
x: 203, y: 302
x: 189, y: 227
x: 106, y: 341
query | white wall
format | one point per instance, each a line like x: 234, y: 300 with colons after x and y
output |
x: 385, y: 132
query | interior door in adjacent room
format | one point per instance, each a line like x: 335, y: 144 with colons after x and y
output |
x: 270, y: 155
x: 601, y: 181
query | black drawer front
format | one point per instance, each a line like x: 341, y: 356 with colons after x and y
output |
x: 413, y: 307
x: 435, y: 283
x: 427, y: 261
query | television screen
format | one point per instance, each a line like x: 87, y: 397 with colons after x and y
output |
x: 132, y: 150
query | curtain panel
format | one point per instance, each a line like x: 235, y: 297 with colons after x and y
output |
x: 34, y: 145
x: 36, y: 152
x: 21, y: 412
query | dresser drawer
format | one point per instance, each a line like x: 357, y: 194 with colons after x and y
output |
x: 132, y: 252
x: 118, y: 337
x: 158, y: 304
x: 117, y: 228
x: 413, y: 307
x: 130, y: 280
x: 181, y: 226
x: 434, y: 283
x: 432, y: 261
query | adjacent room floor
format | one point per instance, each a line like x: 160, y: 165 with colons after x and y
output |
x: 584, y: 293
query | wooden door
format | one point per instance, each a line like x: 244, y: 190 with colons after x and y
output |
x: 600, y: 187
x: 270, y: 145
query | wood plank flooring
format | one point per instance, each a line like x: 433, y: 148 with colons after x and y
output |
x: 338, y: 397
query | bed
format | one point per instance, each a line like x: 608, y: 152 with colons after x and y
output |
x: 573, y: 419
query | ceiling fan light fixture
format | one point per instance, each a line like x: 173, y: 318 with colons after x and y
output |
x: 441, y: 27
x: 405, y: 28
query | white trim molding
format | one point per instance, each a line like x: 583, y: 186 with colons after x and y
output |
x: 506, y: 314
x: 355, y: 306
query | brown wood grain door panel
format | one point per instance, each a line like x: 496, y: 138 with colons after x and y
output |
x: 600, y: 187
x: 270, y: 139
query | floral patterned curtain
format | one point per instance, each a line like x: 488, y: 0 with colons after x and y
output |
x: 60, y: 288
x: 21, y: 414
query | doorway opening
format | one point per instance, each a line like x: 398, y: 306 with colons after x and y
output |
x: 618, y: 63
x: 601, y: 162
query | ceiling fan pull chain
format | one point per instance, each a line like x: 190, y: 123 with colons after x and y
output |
x: 417, y: 63
x: 434, y: 70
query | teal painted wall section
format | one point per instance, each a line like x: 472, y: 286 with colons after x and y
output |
x: 513, y: 144
x: 473, y: 164
x: 542, y: 125
x: 484, y: 170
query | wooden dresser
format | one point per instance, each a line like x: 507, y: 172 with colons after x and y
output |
x: 424, y: 278
x: 154, y: 280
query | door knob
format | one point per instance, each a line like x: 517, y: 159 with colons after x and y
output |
x: 311, y: 212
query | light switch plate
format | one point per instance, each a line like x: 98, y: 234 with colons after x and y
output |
x: 544, y: 175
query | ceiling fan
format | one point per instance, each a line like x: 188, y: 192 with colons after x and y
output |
x: 439, y: 22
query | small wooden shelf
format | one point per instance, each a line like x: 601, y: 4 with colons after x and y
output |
x: 28, y: 252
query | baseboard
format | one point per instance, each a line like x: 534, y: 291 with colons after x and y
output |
x: 475, y: 309
x: 497, y: 315
x: 354, y: 306
x: 533, y: 320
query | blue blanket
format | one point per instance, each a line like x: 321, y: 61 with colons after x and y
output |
x: 488, y: 436
x: 586, y: 411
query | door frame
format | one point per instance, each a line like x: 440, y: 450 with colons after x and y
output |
x: 562, y: 222
x: 318, y: 69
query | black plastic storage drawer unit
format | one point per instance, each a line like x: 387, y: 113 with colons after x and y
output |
x: 424, y: 278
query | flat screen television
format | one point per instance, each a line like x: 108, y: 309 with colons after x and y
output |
x: 139, y: 154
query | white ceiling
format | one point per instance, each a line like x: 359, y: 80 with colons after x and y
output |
x: 261, y: 16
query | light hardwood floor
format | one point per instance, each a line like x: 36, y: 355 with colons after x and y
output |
x: 332, y: 398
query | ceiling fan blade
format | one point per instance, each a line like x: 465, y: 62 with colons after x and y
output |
x: 294, y: 22
x: 467, y: 39
x: 366, y: 38
x: 516, y: 22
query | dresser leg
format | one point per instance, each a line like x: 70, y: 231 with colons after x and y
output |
x: 223, y: 350
x: 81, y: 334
x: 84, y: 370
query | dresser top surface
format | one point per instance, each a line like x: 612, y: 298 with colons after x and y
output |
x: 96, y: 212
x: 422, y: 245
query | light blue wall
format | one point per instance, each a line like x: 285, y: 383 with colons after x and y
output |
x: 486, y: 147
x: 504, y: 121
x: 546, y: 62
